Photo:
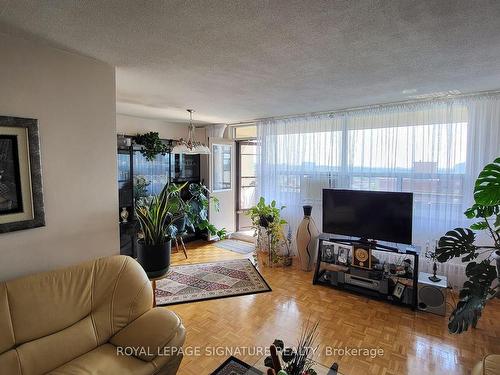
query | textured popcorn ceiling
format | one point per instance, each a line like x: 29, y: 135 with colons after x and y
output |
x: 239, y: 60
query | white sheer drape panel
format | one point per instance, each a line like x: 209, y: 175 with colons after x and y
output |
x: 483, y: 142
x: 295, y: 162
x: 433, y: 149
x: 414, y: 148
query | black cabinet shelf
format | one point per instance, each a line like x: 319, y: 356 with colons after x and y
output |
x: 132, y: 165
x: 369, y: 282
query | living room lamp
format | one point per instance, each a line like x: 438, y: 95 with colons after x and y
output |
x: 189, y: 145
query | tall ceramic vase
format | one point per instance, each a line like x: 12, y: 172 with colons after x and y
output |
x: 307, y: 240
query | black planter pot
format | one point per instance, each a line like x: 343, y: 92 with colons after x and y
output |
x: 154, y: 259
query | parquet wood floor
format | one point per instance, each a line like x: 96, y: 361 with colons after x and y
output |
x: 413, y: 342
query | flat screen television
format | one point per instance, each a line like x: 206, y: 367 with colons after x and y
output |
x: 383, y: 216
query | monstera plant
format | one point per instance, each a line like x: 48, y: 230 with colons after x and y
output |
x: 197, y: 207
x: 483, y: 276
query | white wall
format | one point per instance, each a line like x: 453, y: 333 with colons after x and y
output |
x: 73, y: 98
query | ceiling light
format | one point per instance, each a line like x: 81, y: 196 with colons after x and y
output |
x: 189, y: 145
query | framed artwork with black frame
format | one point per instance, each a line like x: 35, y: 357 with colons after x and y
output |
x: 343, y: 252
x: 328, y: 252
x: 21, y: 193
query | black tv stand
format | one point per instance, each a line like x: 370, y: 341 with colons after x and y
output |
x: 364, y: 241
x: 350, y: 278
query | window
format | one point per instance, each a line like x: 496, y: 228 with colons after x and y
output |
x: 245, y: 132
x: 221, y: 156
x: 248, y: 161
x: 420, y: 149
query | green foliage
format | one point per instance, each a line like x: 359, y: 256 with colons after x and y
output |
x: 456, y: 243
x: 460, y: 243
x: 152, y: 145
x: 197, y: 207
x: 157, y: 214
x: 267, y: 218
x: 140, y: 185
x: 487, y: 187
x: 473, y: 296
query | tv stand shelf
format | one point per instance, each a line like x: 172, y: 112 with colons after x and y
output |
x: 386, y: 281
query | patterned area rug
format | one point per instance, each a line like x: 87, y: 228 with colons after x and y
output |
x: 197, y: 282
x: 237, y: 246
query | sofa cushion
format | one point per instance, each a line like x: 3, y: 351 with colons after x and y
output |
x: 9, y: 363
x: 105, y: 361
x: 49, y: 302
x: 121, y: 293
x: 49, y: 352
x: 113, y: 291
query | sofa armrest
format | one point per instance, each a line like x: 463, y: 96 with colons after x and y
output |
x: 156, y: 332
x: 490, y: 365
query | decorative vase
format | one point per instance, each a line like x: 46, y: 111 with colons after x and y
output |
x: 124, y: 214
x: 307, y: 235
x: 155, y: 259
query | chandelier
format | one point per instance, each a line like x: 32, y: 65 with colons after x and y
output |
x: 189, y: 145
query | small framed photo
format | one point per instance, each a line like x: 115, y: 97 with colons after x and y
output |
x: 328, y: 252
x: 343, y: 253
x: 399, y: 289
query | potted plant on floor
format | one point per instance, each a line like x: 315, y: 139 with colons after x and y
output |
x: 197, y: 211
x: 156, y: 216
x: 483, y: 262
x: 268, y: 228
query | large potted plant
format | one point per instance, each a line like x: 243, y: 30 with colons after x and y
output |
x: 156, y: 216
x: 483, y: 261
x: 197, y: 206
x: 268, y: 228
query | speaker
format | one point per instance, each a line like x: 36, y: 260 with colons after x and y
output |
x: 432, y: 295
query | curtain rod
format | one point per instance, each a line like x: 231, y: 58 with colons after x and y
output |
x: 372, y: 106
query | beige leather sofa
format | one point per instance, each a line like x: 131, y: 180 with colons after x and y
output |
x: 93, y: 318
x: 490, y: 365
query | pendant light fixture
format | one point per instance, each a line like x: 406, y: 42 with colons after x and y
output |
x: 189, y: 145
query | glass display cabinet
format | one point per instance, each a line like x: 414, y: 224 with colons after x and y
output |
x: 138, y: 177
x: 125, y: 212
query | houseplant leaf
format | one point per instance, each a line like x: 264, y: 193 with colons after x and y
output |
x: 151, y: 144
x: 482, y: 273
x: 456, y: 243
x: 481, y: 225
x: 466, y: 314
x: 487, y: 187
x: 480, y: 212
x: 473, y: 296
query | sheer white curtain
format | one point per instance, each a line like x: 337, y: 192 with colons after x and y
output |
x: 433, y: 149
x: 417, y: 148
x: 296, y: 160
